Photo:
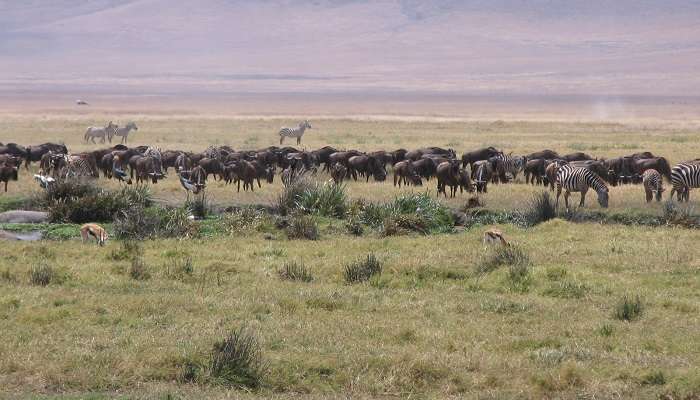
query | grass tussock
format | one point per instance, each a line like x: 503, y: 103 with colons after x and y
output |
x: 200, y: 206
x: 138, y: 270
x: 566, y: 289
x: 138, y: 223
x: 497, y: 256
x: 408, y: 213
x: 41, y: 275
x: 246, y: 219
x: 127, y: 250
x: 362, y: 270
x: 539, y: 209
x: 301, y: 226
x: 294, y: 271
x: 629, y: 308
x: 237, y: 361
x: 327, y: 199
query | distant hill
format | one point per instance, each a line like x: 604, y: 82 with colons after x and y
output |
x: 446, y: 46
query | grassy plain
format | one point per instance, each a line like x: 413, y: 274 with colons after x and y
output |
x: 429, y: 326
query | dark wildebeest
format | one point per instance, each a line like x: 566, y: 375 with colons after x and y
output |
x: 168, y: 159
x: 244, y: 171
x: 14, y: 149
x: 643, y: 154
x: 322, y: 156
x: 398, y: 155
x: 147, y: 167
x: 534, y: 170
x: 125, y: 156
x: 621, y: 169
x: 182, y: 162
x: 262, y: 171
x: 425, y: 167
x: 483, y: 171
x: 477, y: 155
x: 7, y: 173
x: 578, y: 156
x: 383, y: 157
x: 659, y: 163
x: 342, y: 157
x: 34, y: 153
x: 448, y: 175
x: 600, y: 168
x: 404, y: 172
x: 366, y: 166
x: 212, y: 166
x: 414, y: 155
x: 338, y: 173
x: 10, y: 160
x: 465, y: 182
x: 545, y: 154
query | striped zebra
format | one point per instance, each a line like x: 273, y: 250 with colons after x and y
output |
x: 124, y: 132
x: 653, y: 184
x: 509, y: 164
x: 685, y: 176
x: 75, y: 167
x: 579, y: 179
x: 100, y: 132
x: 297, y: 132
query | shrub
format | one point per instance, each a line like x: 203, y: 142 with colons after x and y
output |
x: 328, y: 200
x: 653, y: 378
x: 519, y: 277
x: 288, y: 200
x: 41, y: 275
x: 680, y: 216
x: 409, y: 212
x: 127, y: 250
x: 148, y: 223
x: 629, y: 309
x: 294, y: 271
x: 354, y: 227
x: 302, y: 227
x: 498, y: 256
x: 245, y: 219
x: 362, y: 270
x: 237, y: 360
x: 541, y: 208
x: 606, y: 330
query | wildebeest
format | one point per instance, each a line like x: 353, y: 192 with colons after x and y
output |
x: 544, y: 154
x: 535, y: 171
x: 469, y: 158
x: 321, y: 155
x: 366, y: 166
x: 15, y: 150
x: 660, y: 164
x: 212, y: 166
x: 398, y: 155
x: 342, y: 157
x: 7, y: 173
x: 147, y: 166
x: 425, y: 167
x: 578, y: 156
x: 34, y: 153
x: 483, y: 172
x: 338, y: 173
x: 448, y: 175
x: 404, y: 172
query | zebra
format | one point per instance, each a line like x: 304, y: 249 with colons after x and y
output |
x: 653, y: 184
x: 123, y: 132
x: 297, y: 132
x: 509, y: 164
x: 685, y: 176
x: 100, y: 132
x: 75, y: 167
x: 579, y: 179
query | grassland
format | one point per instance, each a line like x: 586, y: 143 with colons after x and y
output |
x: 429, y: 326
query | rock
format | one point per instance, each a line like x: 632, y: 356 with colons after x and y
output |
x: 24, y: 217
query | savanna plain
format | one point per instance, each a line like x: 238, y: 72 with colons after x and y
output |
x: 239, y: 308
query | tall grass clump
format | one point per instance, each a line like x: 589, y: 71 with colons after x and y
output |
x: 498, y: 256
x: 41, y: 275
x: 199, y: 206
x: 237, y: 361
x: 628, y: 308
x: 362, y: 270
x: 246, y: 219
x: 300, y: 226
x: 677, y: 215
x: 127, y: 250
x: 541, y: 208
x: 328, y: 199
x: 148, y: 223
x: 409, y: 212
x: 288, y: 200
x: 293, y: 271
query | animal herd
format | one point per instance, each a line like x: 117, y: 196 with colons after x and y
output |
x: 473, y: 171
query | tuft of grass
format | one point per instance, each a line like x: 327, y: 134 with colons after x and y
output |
x: 566, y: 290
x: 246, y: 219
x: 541, y: 208
x: 41, y: 274
x: 138, y: 269
x: 199, y: 206
x: 653, y: 378
x: 606, y: 330
x: 503, y: 307
x: 362, y: 270
x: 327, y: 199
x: 628, y: 308
x: 294, y: 271
x: 288, y: 200
x: 302, y: 227
x: 519, y: 277
x: 127, y: 250
x: 237, y: 360
x: 7, y: 276
x: 149, y: 223
x: 498, y: 256
x: 408, y: 212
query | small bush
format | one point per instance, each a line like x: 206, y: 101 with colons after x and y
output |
x: 237, y: 360
x: 288, y: 200
x: 246, y: 219
x: 328, y: 200
x: 606, y: 330
x: 653, y: 378
x: 354, y: 226
x: 498, y: 256
x: 41, y: 275
x: 629, y: 309
x: 302, y: 227
x: 362, y: 270
x: 294, y: 271
x: 138, y: 269
x: 200, y: 206
x: 540, y: 209
x: 128, y: 249
x: 409, y: 212
x: 519, y: 277
x: 148, y: 223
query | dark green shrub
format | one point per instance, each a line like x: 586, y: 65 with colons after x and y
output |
x: 288, y: 200
x: 409, y: 212
x: 628, y: 308
x: 237, y: 360
x: 302, y: 227
x: 41, y: 275
x: 294, y: 271
x: 362, y: 270
x: 327, y: 199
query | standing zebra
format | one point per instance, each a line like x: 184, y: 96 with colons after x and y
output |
x: 297, y: 132
x: 124, y: 132
x: 100, y: 132
x: 75, y: 166
x: 685, y: 176
x: 579, y: 179
x: 509, y: 164
x: 653, y: 184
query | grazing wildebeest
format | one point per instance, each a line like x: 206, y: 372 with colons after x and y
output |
x: 398, y: 155
x: 7, y: 173
x: 93, y: 132
x: 483, y: 171
x: 212, y: 166
x: 535, y: 171
x: 338, y: 173
x: 124, y: 132
x: 404, y: 172
x: 448, y: 175
x: 322, y: 156
x: 659, y: 164
x: 477, y: 155
x: 168, y: 159
x: 245, y: 171
x: 366, y: 166
x: 578, y: 156
x: 342, y: 157
x: 544, y: 154
x: 425, y: 167
x: 34, y: 153
x: 465, y: 182
x: 15, y: 150
x: 147, y: 166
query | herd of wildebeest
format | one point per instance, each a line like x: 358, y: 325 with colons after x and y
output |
x: 474, y: 171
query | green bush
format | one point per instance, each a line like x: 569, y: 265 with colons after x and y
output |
x: 294, y: 271
x: 327, y: 199
x: 288, y: 200
x: 362, y: 270
x: 148, y: 223
x: 628, y: 308
x: 237, y: 361
x: 302, y: 227
x: 245, y: 219
x: 498, y: 256
x: 408, y: 212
